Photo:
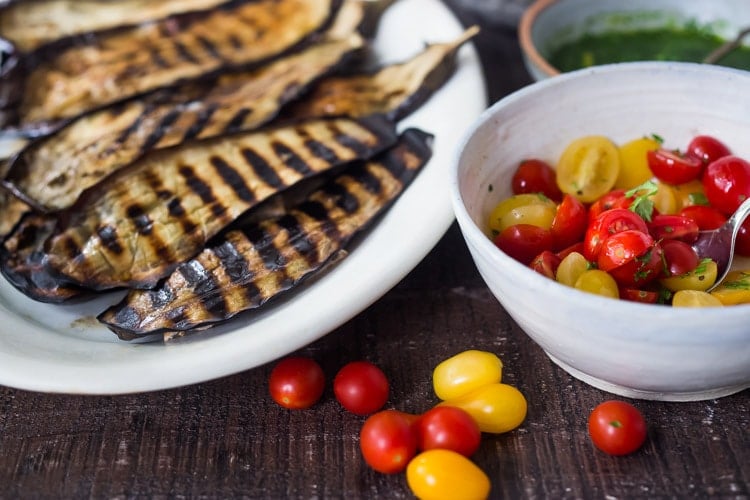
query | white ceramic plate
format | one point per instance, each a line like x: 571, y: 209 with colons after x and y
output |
x: 55, y: 348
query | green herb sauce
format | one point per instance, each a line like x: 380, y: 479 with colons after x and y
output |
x: 670, y: 44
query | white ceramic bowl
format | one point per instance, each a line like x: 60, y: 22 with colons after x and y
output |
x: 635, y: 350
x: 547, y: 24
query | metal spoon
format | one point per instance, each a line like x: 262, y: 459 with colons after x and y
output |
x: 726, y: 47
x: 718, y: 244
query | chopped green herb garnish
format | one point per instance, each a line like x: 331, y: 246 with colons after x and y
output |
x: 658, y: 138
x: 702, y: 266
x: 642, y: 204
x: 698, y: 199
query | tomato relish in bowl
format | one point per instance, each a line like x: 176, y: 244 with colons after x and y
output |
x: 578, y: 123
x: 619, y: 220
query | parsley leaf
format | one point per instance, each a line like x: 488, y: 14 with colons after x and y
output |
x: 643, y: 205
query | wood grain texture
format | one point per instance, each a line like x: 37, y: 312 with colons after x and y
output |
x: 227, y: 439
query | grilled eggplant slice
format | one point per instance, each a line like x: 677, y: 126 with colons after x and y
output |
x: 394, y: 90
x: 24, y: 264
x: 59, y: 85
x: 53, y: 171
x: 253, y: 264
x: 134, y: 228
x: 30, y: 24
x: 11, y: 211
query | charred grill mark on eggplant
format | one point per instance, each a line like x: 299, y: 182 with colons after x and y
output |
x: 62, y: 84
x: 92, y: 147
x: 213, y: 189
x: 242, y: 272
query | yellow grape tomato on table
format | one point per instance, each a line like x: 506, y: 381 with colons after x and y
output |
x: 465, y: 372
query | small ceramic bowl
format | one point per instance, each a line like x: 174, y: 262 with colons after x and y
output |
x: 631, y: 349
x: 548, y: 24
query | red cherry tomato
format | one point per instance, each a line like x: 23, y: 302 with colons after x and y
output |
x: 388, y: 441
x: 617, y: 427
x: 673, y: 227
x: 727, y: 183
x: 742, y: 243
x: 536, y: 176
x: 614, y: 199
x: 707, y: 149
x: 631, y: 257
x: 608, y: 223
x: 546, y: 264
x: 361, y: 387
x: 569, y: 224
x: 523, y: 242
x: 296, y: 382
x: 679, y: 257
x: 449, y: 428
x: 620, y: 248
x: 639, y: 295
x: 673, y: 167
x: 706, y: 217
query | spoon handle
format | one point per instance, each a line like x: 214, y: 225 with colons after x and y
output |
x: 726, y: 47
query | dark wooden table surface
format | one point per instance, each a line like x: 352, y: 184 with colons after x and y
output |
x: 226, y: 438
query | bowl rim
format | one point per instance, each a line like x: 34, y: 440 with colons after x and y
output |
x: 471, y: 230
x: 526, y: 41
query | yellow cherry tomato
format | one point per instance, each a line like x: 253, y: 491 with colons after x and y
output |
x: 496, y: 408
x: 465, y: 372
x: 689, y: 193
x: 734, y: 289
x: 571, y: 268
x: 444, y: 474
x: 507, y: 210
x: 598, y: 282
x: 536, y: 214
x: 665, y: 199
x: 588, y: 168
x: 701, y: 278
x: 634, y: 169
x: 694, y: 298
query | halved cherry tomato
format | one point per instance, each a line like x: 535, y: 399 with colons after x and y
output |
x: 535, y: 209
x: 446, y: 475
x: 707, y: 149
x: 448, y: 428
x: 608, y: 223
x: 523, y: 242
x: 536, y: 176
x: 679, y: 257
x: 546, y: 264
x: 734, y: 289
x: 614, y: 199
x: 597, y: 282
x: 673, y: 227
x: 639, y: 295
x: 631, y: 257
x: 701, y: 278
x: 623, y: 247
x: 705, y: 217
x: 571, y: 268
x: 388, y: 441
x: 296, y: 382
x: 727, y: 183
x: 634, y: 169
x: 569, y: 224
x: 674, y: 167
x: 689, y: 193
x: 588, y: 168
x: 694, y: 298
x: 617, y: 427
